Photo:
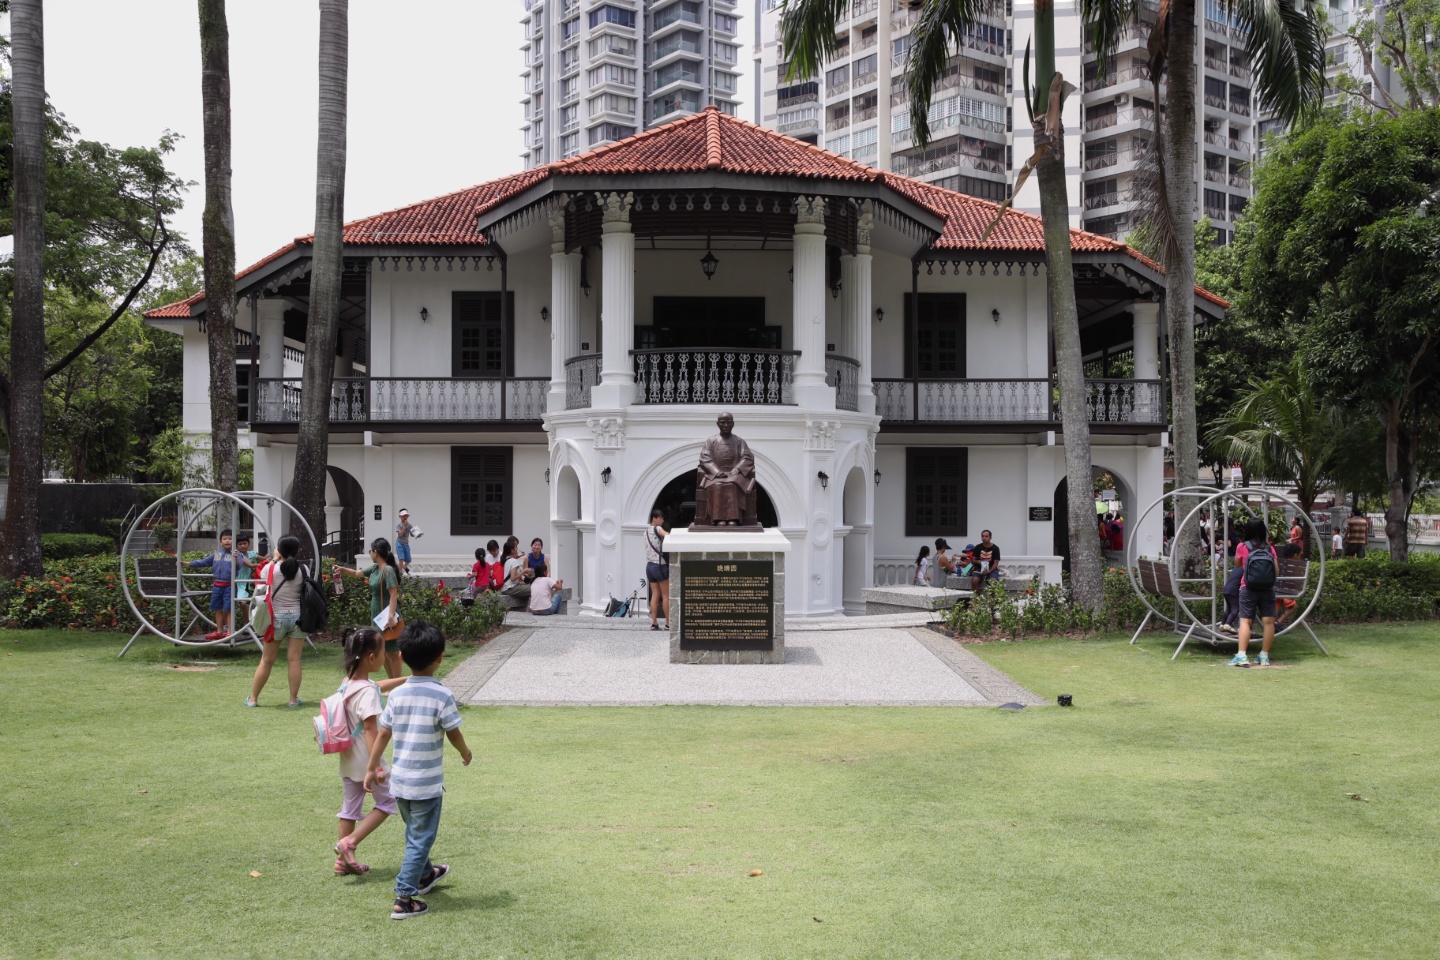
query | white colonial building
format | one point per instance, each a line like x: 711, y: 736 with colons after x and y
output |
x: 544, y: 354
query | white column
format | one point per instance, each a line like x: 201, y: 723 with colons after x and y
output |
x: 864, y: 308
x: 808, y: 317
x: 617, y: 306
x: 272, y: 339
x: 1147, y: 357
x: 564, y: 310
x: 1147, y: 332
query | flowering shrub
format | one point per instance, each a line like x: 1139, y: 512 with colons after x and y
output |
x: 84, y: 593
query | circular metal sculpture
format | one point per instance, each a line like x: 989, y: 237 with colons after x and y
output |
x: 171, y: 581
x: 1198, y: 597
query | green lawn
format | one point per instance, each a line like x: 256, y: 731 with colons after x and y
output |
x: 1178, y: 810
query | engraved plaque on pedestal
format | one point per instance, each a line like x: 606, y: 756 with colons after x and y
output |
x: 728, y: 605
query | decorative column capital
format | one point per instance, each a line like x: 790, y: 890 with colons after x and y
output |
x: 557, y: 228
x: 810, y: 210
x: 863, y: 226
x: 615, y: 207
x: 609, y: 432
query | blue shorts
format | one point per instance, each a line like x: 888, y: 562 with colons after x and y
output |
x: 220, y: 598
x: 402, y: 550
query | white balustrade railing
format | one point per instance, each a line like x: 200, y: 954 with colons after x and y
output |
x: 410, y: 399
x: 964, y: 401
x: 843, y: 374
x: 714, y: 376
x: 581, y: 375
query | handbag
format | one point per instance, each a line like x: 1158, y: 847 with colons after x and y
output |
x: 262, y: 617
x: 393, y: 633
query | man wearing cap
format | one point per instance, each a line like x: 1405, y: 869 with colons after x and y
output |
x: 404, y: 530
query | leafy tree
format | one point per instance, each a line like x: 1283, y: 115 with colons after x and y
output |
x: 312, y: 449
x: 88, y: 219
x: 1402, y: 36
x: 219, y: 239
x: 1283, y: 430
x: 1346, y: 251
x: 91, y: 404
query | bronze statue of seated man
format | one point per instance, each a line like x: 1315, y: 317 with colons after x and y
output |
x: 726, y: 481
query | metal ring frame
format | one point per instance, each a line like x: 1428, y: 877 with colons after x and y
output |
x: 1209, y: 497
x: 200, y: 501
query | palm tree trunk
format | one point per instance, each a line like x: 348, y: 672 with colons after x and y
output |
x: 21, y: 555
x: 313, y: 442
x: 1086, y: 586
x: 1085, y: 558
x: 1179, y: 162
x: 218, y: 227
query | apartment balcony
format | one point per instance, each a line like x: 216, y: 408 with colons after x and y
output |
x: 1120, y: 402
x: 868, y: 113
x: 1115, y: 78
x: 864, y: 79
x: 1118, y: 119
x: 410, y: 400
x: 1217, y: 214
x: 1214, y: 176
x: 1240, y: 72
x: 811, y: 94
x: 861, y: 10
x: 1239, y: 181
x: 1216, y: 66
x: 1233, y: 144
x: 801, y: 122
x: 836, y: 89
x: 836, y: 123
x: 1116, y: 161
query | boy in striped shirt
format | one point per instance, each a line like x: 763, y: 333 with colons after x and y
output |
x: 419, y: 715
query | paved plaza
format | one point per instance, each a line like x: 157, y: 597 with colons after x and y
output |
x: 859, y: 661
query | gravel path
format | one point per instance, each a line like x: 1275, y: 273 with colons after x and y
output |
x: 847, y: 662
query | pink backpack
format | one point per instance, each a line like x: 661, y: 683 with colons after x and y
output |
x: 333, y: 732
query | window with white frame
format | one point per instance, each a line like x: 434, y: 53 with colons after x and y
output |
x: 610, y: 73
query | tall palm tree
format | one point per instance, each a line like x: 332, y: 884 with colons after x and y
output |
x: 21, y: 555
x: 1281, y: 430
x: 1285, y: 44
x: 312, y: 450
x: 218, y: 230
x: 809, y: 37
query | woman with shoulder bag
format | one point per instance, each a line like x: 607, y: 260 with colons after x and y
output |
x: 657, y: 567
x: 383, y: 575
x: 281, y: 579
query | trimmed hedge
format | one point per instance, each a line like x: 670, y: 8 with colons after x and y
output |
x: 64, y: 546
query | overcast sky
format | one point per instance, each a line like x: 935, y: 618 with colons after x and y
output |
x: 434, y: 99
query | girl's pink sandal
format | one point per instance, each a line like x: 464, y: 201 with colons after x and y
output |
x: 345, y: 850
x: 343, y: 869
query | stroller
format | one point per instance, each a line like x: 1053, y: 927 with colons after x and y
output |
x: 629, y: 607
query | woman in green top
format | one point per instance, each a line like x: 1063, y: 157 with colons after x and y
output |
x: 384, y: 577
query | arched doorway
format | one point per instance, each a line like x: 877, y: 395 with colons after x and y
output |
x: 1124, y: 491
x: 677, y: 500
x: 344, y: 515
x: 854, y: 564
x: 569, y: 547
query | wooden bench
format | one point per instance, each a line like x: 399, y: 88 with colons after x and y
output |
x: 1155, y: 579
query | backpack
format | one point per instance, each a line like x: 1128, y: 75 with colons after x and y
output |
x: 314, y: 611
x: 333, y: 732
x: 1259, y: 568
x: 492, y: 577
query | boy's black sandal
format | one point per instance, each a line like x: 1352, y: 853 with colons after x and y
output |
x: 434, y: 875
x: 407, y: 907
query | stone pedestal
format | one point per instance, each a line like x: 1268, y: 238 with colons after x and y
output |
x: 736, y: 611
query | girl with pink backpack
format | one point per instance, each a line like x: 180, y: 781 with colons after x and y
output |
x: 359, y: 702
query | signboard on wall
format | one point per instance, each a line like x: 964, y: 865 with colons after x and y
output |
x: 1041, y: 514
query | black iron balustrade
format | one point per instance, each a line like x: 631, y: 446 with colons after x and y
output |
x: 714, y: 376
x: 410, y: 399
x: 843, y: 374
x: 1014, y: 401
x: 581, y: 374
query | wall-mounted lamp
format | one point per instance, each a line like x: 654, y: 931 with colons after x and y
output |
x: 709, y: 262
x: 835, y: 291
x: 585, y: 286
x: 424, y: 315
x: 877, y: 478
x: 879, y: 314
x: 995, y: 315
x: 824, y: 479
x: 791, y: 273
x: 545, y: 314
x: 547, y: 474
x: 605, y: 475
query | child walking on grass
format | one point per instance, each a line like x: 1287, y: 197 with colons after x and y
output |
x: 419, y: 715
x: 364, y: 654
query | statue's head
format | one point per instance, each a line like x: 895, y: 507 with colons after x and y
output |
x: 726, y: 423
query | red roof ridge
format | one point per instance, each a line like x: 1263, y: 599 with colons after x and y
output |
x: 559, y: 166
x: 871, y: 173
x: 712, y: 137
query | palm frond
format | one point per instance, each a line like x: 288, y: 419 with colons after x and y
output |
x: 807, y: 32
x: 940, y: 29
x: 1103, y: 23
x: 1286, y: 47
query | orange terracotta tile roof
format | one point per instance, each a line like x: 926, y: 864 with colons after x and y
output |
x: 704, y: 141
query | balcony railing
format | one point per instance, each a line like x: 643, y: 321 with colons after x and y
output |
x: 581, y: 374
x: 410, y: 399
x: 1013, y: 401
x: 714, y: 376
x: 843, y: 374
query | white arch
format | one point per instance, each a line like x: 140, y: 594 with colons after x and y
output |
x: 789, y: 506
x: 567, y: 453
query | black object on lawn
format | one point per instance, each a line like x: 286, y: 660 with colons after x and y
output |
x: 1065, y: 700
